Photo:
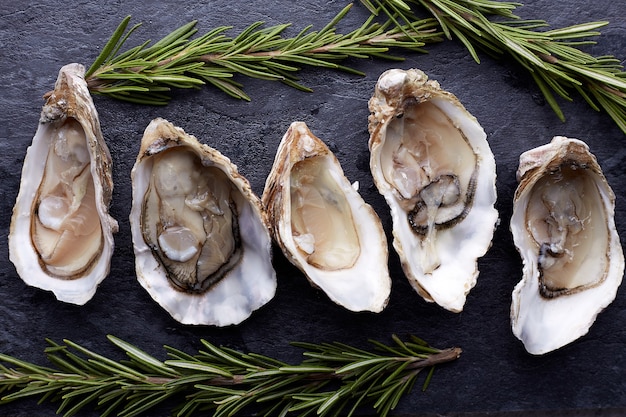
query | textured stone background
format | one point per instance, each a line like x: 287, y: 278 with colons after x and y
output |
x: 493, y: 375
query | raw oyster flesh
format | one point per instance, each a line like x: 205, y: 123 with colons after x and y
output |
x: 202, y: 249
x: 564, y: 229
x: 323, y: 225
x: 431, y: 161
x: 61, y: 236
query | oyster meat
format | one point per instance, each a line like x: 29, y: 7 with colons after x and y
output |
x: 202, y: 248
x: 431, y: 161
x: 323, y: 225
x: 61, y: 236
x: 564, y: 229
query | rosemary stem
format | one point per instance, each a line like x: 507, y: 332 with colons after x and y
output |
x: 443, y: 356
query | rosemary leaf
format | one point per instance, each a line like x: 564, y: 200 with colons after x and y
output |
x: 199, y: 367
x: 109, y: 47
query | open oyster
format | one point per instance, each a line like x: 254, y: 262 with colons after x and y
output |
x: 61, y: 237
x: 323, y: 225
x: 202, y: 249
x: 431, y: 161
x: 563, y: 227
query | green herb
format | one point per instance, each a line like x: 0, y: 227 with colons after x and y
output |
x: 333, y: 378
x: 144, y: 74
x: 552, y: 57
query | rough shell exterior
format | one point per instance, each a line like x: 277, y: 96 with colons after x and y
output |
x: 364, y: 285
x: 545, y: 323
x: 69, y: 100
x: 457, y: 247
x: 246, y: 287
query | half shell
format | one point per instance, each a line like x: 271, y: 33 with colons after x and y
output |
x: 564, y: 229
x: 202, y: 249
x: 323, y: 225
x: 431, y: 161
x: 61, y: 237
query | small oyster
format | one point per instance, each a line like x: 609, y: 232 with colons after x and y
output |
x: 431, y: 161
x: 563, y: 227
x: 202, y: 249
x: 323, y: 225
x: 61, y: 236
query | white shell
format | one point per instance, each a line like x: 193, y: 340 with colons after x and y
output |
x: 438, y: 180
x: 248, y: 283
x: 68, y: 137
x: 563, y: 223
x: 352, y: 270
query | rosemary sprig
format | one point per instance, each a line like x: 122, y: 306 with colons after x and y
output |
x: 552, y: 57
x: 333, y: 378
x: 144, y: 74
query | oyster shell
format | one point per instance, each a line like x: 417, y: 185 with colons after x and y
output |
x: 61, y: 236
x: 323, y: 225
x: 563, y: 227
x: 202, y: 249
x: 431, y: 161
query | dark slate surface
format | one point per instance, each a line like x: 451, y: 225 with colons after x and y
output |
x: 494, y: 374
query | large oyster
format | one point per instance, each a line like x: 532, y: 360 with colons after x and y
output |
x: 61, y: 236
x: 323, y: 225
x: 563, y: 227
x: 431, y: 161
x: 202, y: 249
